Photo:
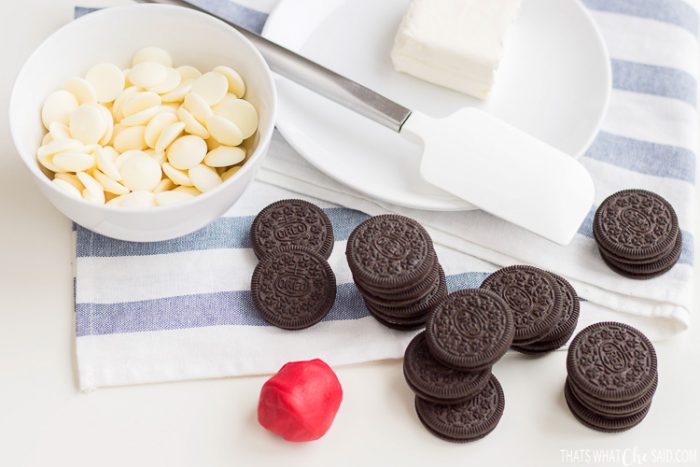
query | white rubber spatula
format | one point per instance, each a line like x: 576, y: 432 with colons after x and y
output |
x: 471, y: 154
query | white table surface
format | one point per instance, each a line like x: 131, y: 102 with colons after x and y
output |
x: 46, y: 421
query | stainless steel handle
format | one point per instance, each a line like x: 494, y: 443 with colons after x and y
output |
x: 317, y: 78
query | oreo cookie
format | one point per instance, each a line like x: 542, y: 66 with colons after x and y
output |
x: 637, y: 233
x: 292, y: 222
x: 470, y: 329
x: 612, y: 376
x: 617, y: 409
x: 465, y: 421
x: 645, y: 270
x: 390, y: 252
x: 293, y: 288
x: 534, y: 298
x: 600, y: 422
x: 398, y: 324
x: 414, y: 308
x: 435, y: 382
x: 562, y: 331
x: 396, y: 270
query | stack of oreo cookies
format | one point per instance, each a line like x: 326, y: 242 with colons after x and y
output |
x: 448, y: 366
x: 293, y: 286
x: 637, y: 234
x: 395, y: 267
x: 612, y: 376
x: 545, y: 307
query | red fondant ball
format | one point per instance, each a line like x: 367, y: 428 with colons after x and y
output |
x: 299, y: 403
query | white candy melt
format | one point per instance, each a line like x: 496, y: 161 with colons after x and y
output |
x: 171, y: 81
x: 224, y: 131
x: 73, y: 161
x: 147, y: 74
x: 188, y: 72
x: 236, y: 85
x: 115, y: 137
x: 58, y: 107
x: 186, y: 152
x: 137, y: 199
x: 168, y: 135
x: 212, y: 86
x: 225, y: 156
x: 454, y: 43
x: 192, y: 125
x: 67, y: 188
x: 107, y: 80
x: 93, y: 189
x: 82, y: 90
x: 138, y: 102
x: 87, y: 124
x: 204, y: 178
x: 140, y: 172
x: 152, y: 54
x: 240, y: 112
x: 130, y: 138
x: 198, y: 106
x: 109, y: 184
x: 156, y: 126
x: 167, y: 198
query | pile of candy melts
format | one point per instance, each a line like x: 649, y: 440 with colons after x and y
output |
x: 150, y: 135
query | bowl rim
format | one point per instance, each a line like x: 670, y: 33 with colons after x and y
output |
x: 264, y: 137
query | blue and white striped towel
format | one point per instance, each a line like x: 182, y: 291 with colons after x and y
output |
x: 181, y: 309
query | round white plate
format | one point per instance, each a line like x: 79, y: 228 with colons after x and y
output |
x: 553, y: 82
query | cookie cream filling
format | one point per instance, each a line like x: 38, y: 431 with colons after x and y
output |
x: 454, y: 43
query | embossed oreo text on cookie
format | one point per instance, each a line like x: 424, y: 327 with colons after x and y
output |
x: 293, y: 288
x: 470, y: 329
x: 532, y: 295
x: 612, y: 361
x: 635, y: 224
x: 390, y: 251
x: 292, y: 222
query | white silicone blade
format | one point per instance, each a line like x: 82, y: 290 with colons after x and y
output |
x: 504, y: 171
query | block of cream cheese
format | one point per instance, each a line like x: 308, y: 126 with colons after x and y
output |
x: 454, y: 43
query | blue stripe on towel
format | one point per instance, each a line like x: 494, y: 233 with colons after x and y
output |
x: 675, y: 12
x: 644, y: 157
x: 233, y: 308
x: 245, y: 17
x: 654, y: 80
x: 225, y: 232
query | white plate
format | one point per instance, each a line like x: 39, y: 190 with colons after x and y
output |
x: 554, y: 83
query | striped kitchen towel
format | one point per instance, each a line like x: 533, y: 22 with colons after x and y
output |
x: 181, y: 309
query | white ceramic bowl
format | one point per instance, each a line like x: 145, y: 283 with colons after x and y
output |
x: 113, y: 35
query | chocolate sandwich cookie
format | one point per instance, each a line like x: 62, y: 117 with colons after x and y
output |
x: 466, y: 421
x: 293, y: 288
x: 645, y: 270
x: 398, y: 324
x: 470, y: 329
x: 415, y: 308
x: 402, y: 299
x: 600, y: 422
x: 533, y: 296
x: 435, y: 382
x: 540, y: 348
x: 635, y: 224
x: 612, y: 362
x: 390, y: 252
x: 292, y: 222
x: 563, y: 329
x: 613, y: 409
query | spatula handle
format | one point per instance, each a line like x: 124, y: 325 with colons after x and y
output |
x: 317, y: 78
